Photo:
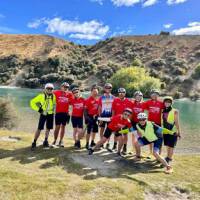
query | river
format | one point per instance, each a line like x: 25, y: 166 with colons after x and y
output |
x: 189, y: 116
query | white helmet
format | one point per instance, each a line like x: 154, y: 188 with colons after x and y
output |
x: 142, y: 116
x: 49, y: 85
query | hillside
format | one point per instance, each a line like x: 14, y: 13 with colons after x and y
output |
x: 72, y: 174
x: 32, y: 60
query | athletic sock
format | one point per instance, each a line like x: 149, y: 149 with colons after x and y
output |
x: 34, y: 140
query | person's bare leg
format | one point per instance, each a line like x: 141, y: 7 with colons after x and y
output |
x: 47, y: 134
x: 151, y: 148
x: 120, y: 143
x: 138, y: 150
x: 87, y: 138
x: 37, y: 134
x: 170, y: 152
x: 101, y: 132
x: 56, y: 132
x: 134, y: 141
x: 80, y: 133
x: 93, y: 136
x: 75, y: 132
x: 125, y: 140
x: 161, y: 159
x: 62, y: 132
x: 99, y: 143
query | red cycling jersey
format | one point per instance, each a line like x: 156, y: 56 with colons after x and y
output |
x: 137, y: 108
x: 62, y: 101
x: 119, y: 105
x: 78, y: 105
x: 154, y: 109
x: 91, y: 105
x: 117, y: 123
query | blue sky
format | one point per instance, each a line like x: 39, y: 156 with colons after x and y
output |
x: 88, y: 21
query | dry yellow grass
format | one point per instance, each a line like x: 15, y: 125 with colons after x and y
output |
x: 52, y: 174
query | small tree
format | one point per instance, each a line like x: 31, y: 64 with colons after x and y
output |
x: 134, y: 78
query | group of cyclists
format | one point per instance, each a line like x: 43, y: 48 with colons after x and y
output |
x: 152, y: 122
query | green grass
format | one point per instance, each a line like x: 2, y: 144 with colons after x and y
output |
x: 51, y: 174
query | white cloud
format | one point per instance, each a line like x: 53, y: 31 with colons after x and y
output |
x: 119, y: 32
x: 167, y: 26
x: 149, y: 3
x: 171, y: 2
x: 193, y: 28
x: 90, y: 30
x: 127, y: 3
x: 35, y: 24
x: 194, y: 24
x: 98, y: 1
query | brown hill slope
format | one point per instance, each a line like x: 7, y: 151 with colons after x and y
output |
x: 32, y: 60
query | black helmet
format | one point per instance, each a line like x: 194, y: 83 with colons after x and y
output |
x: 121, y: 90
x: 155, y: 91
x: 75, y: 89
x: 108, y: 85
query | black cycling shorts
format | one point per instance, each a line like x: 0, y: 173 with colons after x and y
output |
x: 109, y: 132
x: 170, y: 140
x: 62, y: 118
x: 77, y: 122
x: 48, y: 119
x: 92, y: 126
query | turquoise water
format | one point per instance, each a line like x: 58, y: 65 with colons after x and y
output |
x: 189, y: 116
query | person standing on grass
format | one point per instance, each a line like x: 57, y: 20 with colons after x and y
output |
x: 154, y: 107
x: 105, y: 107
x: 78, y: 104
x: 62, y: 117
x: 117, y: 124
x: 170, y: 121
x: 118, y: 106
x: 91, y: 115
x: 137, y: 107
x: 150, y: 133
x: 44, y: 103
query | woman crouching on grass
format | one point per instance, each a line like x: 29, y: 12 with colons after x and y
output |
x: 116, y: 125
x: 150, y: 133
x: 170, y: 121
x: 78, y: 104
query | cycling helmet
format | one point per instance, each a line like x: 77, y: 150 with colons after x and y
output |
x: 138, y: 93
x: 142, y: 116
x: 121, y: 90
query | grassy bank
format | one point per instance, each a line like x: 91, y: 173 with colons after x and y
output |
x: 69, y: 174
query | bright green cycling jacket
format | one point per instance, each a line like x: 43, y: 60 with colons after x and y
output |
x: 45, y: 102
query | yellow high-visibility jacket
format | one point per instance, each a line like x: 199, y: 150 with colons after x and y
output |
x: 45, y: 102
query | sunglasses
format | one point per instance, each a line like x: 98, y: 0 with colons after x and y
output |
x: 127, y: 114
x: 49, y: 88
x: 75, y: 92
x: 108, y: 88
x: 142, y: 120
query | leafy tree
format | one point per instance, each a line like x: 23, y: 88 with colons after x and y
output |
x: 134, y: 78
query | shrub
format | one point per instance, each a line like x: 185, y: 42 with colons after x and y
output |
x: 137, y: 62
x: 134, y: 78
x: 196, y: 73
x: 7, y: 114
